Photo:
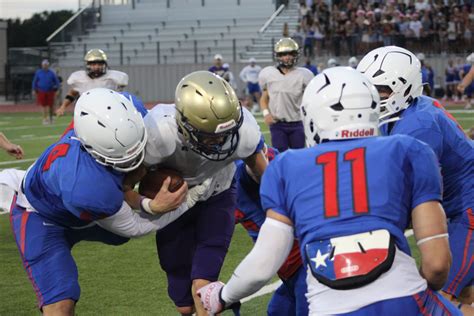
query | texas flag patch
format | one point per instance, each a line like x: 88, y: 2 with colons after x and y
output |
x: 351, y: 261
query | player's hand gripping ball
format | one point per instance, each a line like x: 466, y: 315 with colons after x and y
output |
x: 151, y: 184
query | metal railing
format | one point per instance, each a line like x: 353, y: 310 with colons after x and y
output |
x: 270, y: 20
x: 65, y: 24
x: 159, y: 52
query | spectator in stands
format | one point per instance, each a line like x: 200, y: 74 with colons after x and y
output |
x: 11, y: 149
x: 249, y: 75
x: 45, y: 85
x: 218, y: 67
x: 304, y: 10
x: 283, y: 86
x: 298, y: 36
x: 96, y: 75
x: 416, y: 24
x: 286, y: 30
x: 310, y: 66
x: 427, y: 75
x: 308, y: 48
x: 450, y: 80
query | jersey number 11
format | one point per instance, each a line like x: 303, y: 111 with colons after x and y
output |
x: 356, y: 158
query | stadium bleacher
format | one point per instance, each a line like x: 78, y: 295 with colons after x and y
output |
x: 186, y: 31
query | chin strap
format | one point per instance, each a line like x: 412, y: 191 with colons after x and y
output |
x: 384, y: 121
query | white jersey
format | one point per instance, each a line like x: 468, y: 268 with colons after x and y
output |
x: 112, y: 79
x: 166, y: 147
x: 403, y: 279
x: 285, y: 91
x: 250, y: 74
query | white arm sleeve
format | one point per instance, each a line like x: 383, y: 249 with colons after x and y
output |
x: 271, y: 249
x: 128, y: 223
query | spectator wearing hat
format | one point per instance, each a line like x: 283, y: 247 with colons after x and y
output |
x: 218, y: 67
x: 45, y: 85
x: 249, y: 75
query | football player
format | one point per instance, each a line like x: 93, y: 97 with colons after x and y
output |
x: 467, y: 85
x: 289, y: 298
x: 249, y: 75
x: 96, y: 75
x: 73, y: 192
x: 396, y: 73
x: 201, y: 136
x: 348, y: 200
x: 283, y: 86
x: 352, y: 62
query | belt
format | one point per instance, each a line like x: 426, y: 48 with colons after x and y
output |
x: 287, y: 122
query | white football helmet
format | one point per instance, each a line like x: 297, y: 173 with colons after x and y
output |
x: 339, y: 103
x: 332, y: 62
x: 394, y: 70
x: 352, y: 62
x: 110, y: 128
x: 470, y: 59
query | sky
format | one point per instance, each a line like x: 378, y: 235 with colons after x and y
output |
x: 24, y: 9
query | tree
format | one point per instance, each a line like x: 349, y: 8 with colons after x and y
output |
x: 35, y: 30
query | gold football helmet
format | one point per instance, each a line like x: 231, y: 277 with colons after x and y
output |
x: 286, y: 46
x: 96, y: 63
x: 208, y: 114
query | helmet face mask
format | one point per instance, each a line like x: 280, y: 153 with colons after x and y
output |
x: 286, y: 52
x: 394, y: 69
x: 96, y: 63
x: 208, y: 114
x: 339, y: 103
x: 110, y: 129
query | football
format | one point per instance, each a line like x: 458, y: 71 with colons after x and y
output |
x: 153, y: 180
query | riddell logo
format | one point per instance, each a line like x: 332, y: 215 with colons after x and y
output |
x: 357, y: 133
x: 225, y: 126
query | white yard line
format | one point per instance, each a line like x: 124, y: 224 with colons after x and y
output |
x: 269, y: 288
x: 18, y: 128
x: 16, y: 162
x: 461, y: 111
x: 33, y: 137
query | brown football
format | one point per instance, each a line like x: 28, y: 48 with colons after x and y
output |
x: 151, y: 183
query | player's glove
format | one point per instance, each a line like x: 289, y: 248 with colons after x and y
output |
x: 210, y: 295
x: 197, y: 192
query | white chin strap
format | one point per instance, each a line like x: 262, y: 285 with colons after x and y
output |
x: 383, y: 122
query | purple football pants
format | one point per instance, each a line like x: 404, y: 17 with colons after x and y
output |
x: 287, y: 135
x: 195, y: 245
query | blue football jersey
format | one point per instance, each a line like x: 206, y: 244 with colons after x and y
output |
x: 67, y: 187
x: 341, y: 188
x: 249, y: 211
x: 429, y: 122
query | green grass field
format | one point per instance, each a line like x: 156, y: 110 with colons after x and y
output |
x: 124, y: 280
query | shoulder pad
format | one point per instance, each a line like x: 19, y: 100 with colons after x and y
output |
x: 162, y: 131
x: 250, y: 136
